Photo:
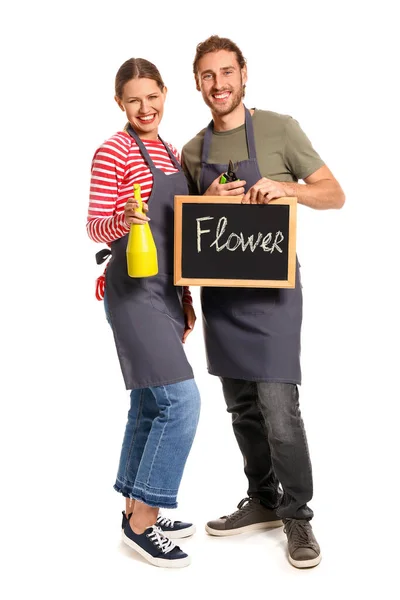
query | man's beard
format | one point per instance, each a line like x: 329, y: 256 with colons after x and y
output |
x: 234, y: 101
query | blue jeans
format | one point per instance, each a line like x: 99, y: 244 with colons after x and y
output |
x: 161, y: 426
x: 159, y: 433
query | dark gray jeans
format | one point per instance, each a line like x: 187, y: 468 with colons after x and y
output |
x: 270, y: 432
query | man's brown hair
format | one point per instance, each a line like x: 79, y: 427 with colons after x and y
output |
x: 213, y: 44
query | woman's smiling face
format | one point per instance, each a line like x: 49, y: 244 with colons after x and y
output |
x: 143, y: 102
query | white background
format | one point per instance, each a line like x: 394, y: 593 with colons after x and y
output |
x: 332, y: 66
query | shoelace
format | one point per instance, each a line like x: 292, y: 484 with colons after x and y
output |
x: 159, y: 540
x: 165, y: 521
x: 244, y: 506
x: 299, y: 531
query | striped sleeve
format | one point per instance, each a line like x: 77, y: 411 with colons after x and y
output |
x: 116, y: 165
x: 175, y: 153
x: 106, y: 221
x: 187, y: 296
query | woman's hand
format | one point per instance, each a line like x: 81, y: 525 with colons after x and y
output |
x: 133, y: 214
x: 190, y: 320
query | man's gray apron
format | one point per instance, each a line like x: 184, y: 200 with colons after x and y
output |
x: 146, y: 313
x: 250, y: 333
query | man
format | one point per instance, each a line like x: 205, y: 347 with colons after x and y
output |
x: 252, y: 336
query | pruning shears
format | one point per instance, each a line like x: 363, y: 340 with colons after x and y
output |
x: 230, y: 174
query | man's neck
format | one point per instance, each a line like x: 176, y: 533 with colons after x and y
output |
x: 234, y: 119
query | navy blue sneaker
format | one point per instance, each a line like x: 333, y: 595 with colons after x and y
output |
x: 172, y: 529
x: 155, y: 547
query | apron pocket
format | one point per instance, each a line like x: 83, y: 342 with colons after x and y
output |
x: 254, y: 301
x: 165, y: 297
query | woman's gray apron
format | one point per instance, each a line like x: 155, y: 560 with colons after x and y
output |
x: 146, y: 313
x: 250, y: 333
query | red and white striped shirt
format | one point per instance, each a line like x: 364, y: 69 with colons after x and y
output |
x: 116, y: 166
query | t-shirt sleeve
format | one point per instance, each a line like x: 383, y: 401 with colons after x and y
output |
x: 299, y: 155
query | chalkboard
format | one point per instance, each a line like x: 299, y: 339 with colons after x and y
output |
x: 220, y: 242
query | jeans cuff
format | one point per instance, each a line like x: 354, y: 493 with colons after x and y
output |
x: 151, y: 498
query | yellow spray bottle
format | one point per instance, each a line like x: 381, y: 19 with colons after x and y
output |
x: 141, y: 251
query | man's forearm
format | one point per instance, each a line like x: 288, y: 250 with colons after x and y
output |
x: 320, y: 195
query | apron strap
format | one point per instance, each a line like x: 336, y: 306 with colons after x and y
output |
x: 145, y: 153
x: 207, y: 143
x: 102, y: 255
x: 251, y: 144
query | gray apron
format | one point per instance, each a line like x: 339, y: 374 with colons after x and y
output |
x: 146, y: 313
x: 250, y: 333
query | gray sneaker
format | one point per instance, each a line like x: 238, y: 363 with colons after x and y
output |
x: 250, y: 516
x: 304, y: 551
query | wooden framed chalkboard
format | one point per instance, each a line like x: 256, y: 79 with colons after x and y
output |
x: 221, y: 242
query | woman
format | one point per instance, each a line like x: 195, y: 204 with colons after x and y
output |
x: 150, y: 317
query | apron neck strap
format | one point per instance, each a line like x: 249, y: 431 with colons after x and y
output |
x: 129, y: 129
x: 251, y: 144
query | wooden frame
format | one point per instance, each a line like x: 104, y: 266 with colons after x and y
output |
x: 180, y: 280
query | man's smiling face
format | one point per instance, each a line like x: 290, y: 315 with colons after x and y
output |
x: 221, y: 81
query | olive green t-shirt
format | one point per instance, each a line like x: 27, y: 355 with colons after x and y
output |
x: 284, y: 153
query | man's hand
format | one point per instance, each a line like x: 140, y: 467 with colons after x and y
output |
x: 233, y: 188
x: 133, y: 215
x: 265, y: 190
x: 190, y: 319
